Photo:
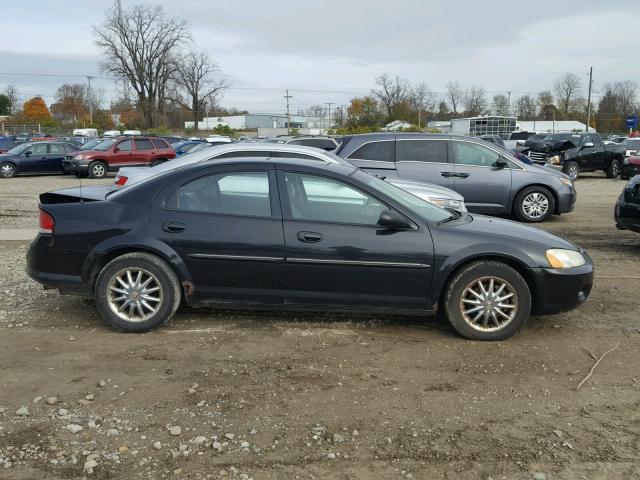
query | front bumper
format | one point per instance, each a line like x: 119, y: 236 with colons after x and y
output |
x: 560, y: 290
x: 627, y: 216
x: 629, y: 170
x: 567, y: 197
x: 77, y: 166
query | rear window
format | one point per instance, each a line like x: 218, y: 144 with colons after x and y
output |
x: 381, y: 151
x: 144, y: 144
x: 430, y: 151
x: 160, y: 143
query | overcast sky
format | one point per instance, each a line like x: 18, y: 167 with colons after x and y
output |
x: 336, y: 48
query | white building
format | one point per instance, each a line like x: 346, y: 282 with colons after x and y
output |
x: 253, y: 121
x: 552, y: 126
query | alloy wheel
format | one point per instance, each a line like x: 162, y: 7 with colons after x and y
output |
x: 489, y: 304
x: 535, y: 205
x: 572, y: 172
x: 134, y: 294
x: 98, y: 170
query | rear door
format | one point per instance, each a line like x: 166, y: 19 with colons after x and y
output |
x: 425, y: 160
x: 484, y: 186
x: 55, y: 156
x: 376, y: 156
x: 226, y: 227
x: 144, y: 152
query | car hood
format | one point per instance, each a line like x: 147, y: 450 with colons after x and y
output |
x: 546, y: 169
x: 481, y: 224
x: 424, y: 187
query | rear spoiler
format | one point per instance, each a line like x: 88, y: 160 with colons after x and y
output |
x: 93, y: 193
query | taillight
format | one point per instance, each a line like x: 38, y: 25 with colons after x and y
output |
x: 47, y: 223
x: 121, y: 180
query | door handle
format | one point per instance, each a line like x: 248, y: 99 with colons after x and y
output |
x: 309, y: 237
x: 173, y: 227
x: 461, y: 175
x: 447, y: 174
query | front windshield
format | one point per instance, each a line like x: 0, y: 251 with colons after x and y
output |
x: 562, y: 137
x: 19, y: 149
x: 105, y: 144
x: 422, y: 208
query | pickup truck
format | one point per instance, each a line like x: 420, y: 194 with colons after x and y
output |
x: 574, y: 153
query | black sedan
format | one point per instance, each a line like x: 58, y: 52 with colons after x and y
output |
x: 36, y: 157
x: 297, y: 234
x: 627, y: 210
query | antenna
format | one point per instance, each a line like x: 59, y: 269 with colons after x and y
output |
x: 80, y: 183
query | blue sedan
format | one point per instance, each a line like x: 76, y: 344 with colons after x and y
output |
x: 36, y: 157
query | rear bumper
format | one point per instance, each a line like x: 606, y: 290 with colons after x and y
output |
x: 562, y: 290
x: 627, y: 216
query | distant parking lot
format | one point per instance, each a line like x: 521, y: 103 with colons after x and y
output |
x: 269, y: 395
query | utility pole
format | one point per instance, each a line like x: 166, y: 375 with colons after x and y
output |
x: 589, y: 98
x: 287, y: 96
x: 89, y: 77
x: 329, y: 114
x: 509, y: 105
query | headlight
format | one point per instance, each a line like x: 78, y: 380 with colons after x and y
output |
x: 78, y: 157
x: 560, y: 258
x: 555, y: 160
x: 567, y: 181
x: 457, y: 205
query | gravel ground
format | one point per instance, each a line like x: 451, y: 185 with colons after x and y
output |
x: 278, y: 396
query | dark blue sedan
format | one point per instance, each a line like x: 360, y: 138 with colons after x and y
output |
x: 297, y: 234
x: 34, y: 158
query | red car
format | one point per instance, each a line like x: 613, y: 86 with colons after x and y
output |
x: 113, y: 153
x: 630, y: 167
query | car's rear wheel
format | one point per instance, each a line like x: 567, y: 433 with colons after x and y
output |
x: 487, y: 300
x: 97, y: 169
x: 534, y: 204
x: 8, y: 170
x: 137, y: 292
x: 614, y: 169
x: 571, y: 169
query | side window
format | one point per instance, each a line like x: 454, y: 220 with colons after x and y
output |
x: 239, y: 193
x: 124, y: 146
x: 158, y: 143
x: 295, y: 155
x: 70, y: 148
x: 473, y: 154
x: 39, y: 149
x: 322, y: 199
x: 56, y: 148
x: 144, y: 144
x: 430, y: 151
x: 381, y: 151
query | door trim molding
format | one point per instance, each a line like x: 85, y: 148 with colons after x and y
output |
x: 356, y: 263
x: 215, y: 256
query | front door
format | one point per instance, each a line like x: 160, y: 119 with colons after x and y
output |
x: 591, y: 152
x: 424, y: 160
x: 36, y: 158
x: 485, y: 186
x: 122, y: 155
x: 227, y: 228
x: 337, y: 255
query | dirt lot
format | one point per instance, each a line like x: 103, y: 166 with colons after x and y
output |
x: 285, y: 396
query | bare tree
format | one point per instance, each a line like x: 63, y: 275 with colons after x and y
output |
x: 195, y: 75
x: 626, y: 93
x: 423, y: 99
x: 73, y: 100
x: 391, y: 92
x: 567, y: 90
x: 475, y: 101
x: 316, y: 111
x: 526, y: 107
x: 455, y: 95
x: 500, y: 104
x: 137, y: 45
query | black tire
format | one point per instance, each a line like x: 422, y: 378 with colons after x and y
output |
x: 456, y: 292
x: 534, y: 204
x: 624, y: 177
x: 614, y: 169
x: 157, y: 162
x: 8, y: 170
x: 162, y: 276
x: 97, y: 169
x: 572, y: 169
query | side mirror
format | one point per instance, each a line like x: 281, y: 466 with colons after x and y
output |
x: 116, y: 149
x: 500, y: 163
x: 588, y: 145
x: 392, y: 219
x: 27, y: 153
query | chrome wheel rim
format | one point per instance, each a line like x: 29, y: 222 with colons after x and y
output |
x: 134, y: 294
x: 572, y: 171
x: 535, y: 205
x: 489, y: 304
x: 615, y: 170
x: 98, y: 170
x: 7, y: 170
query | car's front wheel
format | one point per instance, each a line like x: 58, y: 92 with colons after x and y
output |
x: 137, y: 292
x: 97, y: 169
x: 571, y: 169
x: 8, y: 170
x: 487, y: 300
x: 534, y: 204
x: 614, y: 169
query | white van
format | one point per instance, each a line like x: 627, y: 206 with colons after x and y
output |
x: 131, y: 132
x: 111, y: 133
x: 85, y: 132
